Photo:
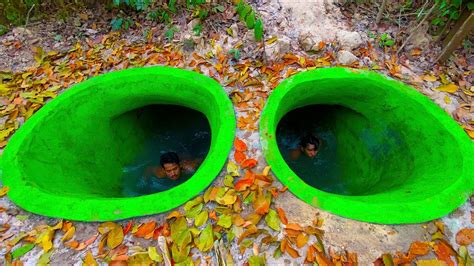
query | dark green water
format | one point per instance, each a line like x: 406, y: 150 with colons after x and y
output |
x: 170, y: 128
x: 355, y: 156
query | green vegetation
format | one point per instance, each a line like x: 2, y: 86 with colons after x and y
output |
x: 250, y: 18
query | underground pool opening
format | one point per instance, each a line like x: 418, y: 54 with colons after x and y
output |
x: 388, y: 154
x: 353, y: 155
x: 83, y: 154
x: 169, y: 131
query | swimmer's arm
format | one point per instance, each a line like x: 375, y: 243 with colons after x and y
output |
x: 295, y: 154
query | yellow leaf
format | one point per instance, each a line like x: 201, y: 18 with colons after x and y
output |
x: 232, y: 169
x: 174, y: 214
x: 430, y: 263
x: 301, y: 240
x: 272, y: 40
x: 154, y: 255
x: 201, y: 218
x: 266, y: 170
x: 89, y: 260
x: 115, y: 237
x: 447, y: 99
x: 451, y: 88
x: 4, y: 190
x: 69, y: 234
x: 429, y: 78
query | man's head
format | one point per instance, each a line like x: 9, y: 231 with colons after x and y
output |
x: 170, y: 163
x: 309, y: 145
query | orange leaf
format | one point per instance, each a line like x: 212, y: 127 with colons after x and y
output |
x: 145, y: 229
x: 166, y: 230
x: 213, y: 216
x: 281, y: 214
x: 465, y: 236
x: 262, y: 203
x: 248, y: 163
x: 128, y: 227
x: 301, y: 240
x: 245, y: 182
x: 274, y: 192
x: 444, y: 252
x: 283, y: 189
x: 418, y: 249
x: 294, y: 227
x: 310, y: 255
x: 239, y: 156
x: 291, y: 251
x: 240, y: 145
x: 323, y: 260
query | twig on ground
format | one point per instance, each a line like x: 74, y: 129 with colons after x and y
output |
x: 417, y: 27
x: 380, y: 13
x: 28, y: 15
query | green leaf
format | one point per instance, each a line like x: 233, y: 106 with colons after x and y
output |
x: 470, y: 5
x: 206, y: 239
x: 250, y: 20
x: 169, y: 34
x: 228, y: 179
x: 273, y: 220
x: 384, y: 36
x: 180, y: 255
x: 277, y: 254
x: 258, y: 30
x: 22, y: 250
x: 240, y: 7
x: 171, y: 6
x: 197, y: 29
x: 116, y: 23
x: 44, y: 258
x: 194, y: 211
x: 177, y: 227
x: 245, y: 11
x: 257, y: 261
x: 454, y: 15
x: 201, y: 218
x: 184, y: 238
x: 225, y: 221
x: 219, y: 8
x: 116, y: 2
x: 154, y: 255
x: 389, y: 42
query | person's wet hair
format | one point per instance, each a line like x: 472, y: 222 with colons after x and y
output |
x: 309, y: 139
x: 169, y: 157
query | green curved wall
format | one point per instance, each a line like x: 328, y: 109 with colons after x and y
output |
x: 66, y: 160
x: 424, y: 174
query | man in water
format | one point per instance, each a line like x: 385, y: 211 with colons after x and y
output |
x: 309, y: 146
x: 171, y: 167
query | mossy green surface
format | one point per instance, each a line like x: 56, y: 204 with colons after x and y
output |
x: 66, y: 161
x: 425, y: 160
